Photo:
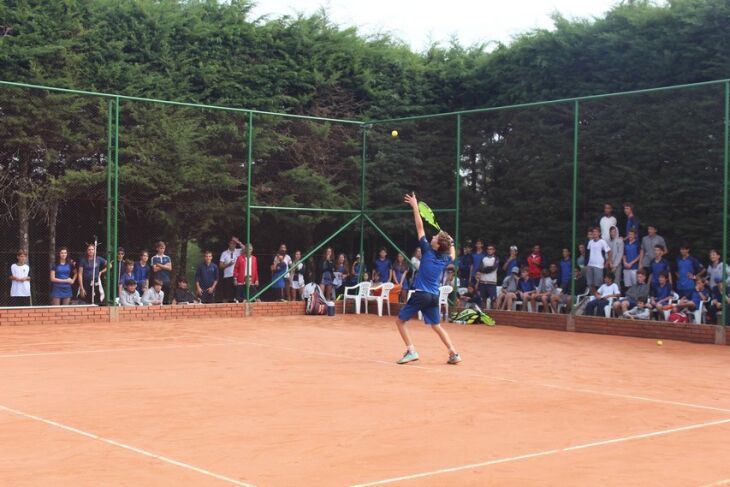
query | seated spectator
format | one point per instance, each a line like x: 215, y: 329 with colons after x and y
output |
x: 447, y: 279
x: 566, y: 269
x: 658, y: 265
x: 534, y: 265
x: 182, y: 293
x: 688, y: 268
x: 662, y: 294
x: 525, y: 288
x: 630, y: 258
x: 508, y: 293
x: 246, y: 274
x: 63, y: 275
x: 698, y: 296
x: 20, y: 280
x: 554, y: 271
x: 206, y: 278
x: 129, y: 295
x: 161, y: 268
x: 142, y: 272
x: 608, y: 290
x: 638, y: 290
x: 544, y: 292
x: 154, y: 295
x: 715, y: 269
x: 565, y: 297
x: 639, y: 312
x: 720, y: 293
x: 126, y: 272
x: 470, y: 299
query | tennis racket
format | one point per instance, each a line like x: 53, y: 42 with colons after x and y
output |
x: 427, y: 215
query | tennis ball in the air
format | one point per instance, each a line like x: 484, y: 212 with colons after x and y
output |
x: 394, y: 133
x: 659, y: 343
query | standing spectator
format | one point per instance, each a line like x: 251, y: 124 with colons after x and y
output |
x: 651, y: 240
x: 142, y: 272
x: 632, y: 221
x: 355, y: 272
x: 464, y: 264
x: 129, y: 295
x: 297, y: 277
x: 126, y: 272
x: 206, y: 278
x: 286, y: 259
x: 279, y: 270
x: 90, y: 271
x: 631, y: 259
x: 659, y: 265
x: 688, y: 267
x: 599, y: 256
x: 662, y: 294
x: 616, y: 244
x: 382, y: 267
x: 476, y: 260
x: 120, y: 261
x: 487, y: 276
x: 415, y: 263
x: 327, y: 272
x: 525, y: 288
x: 509, y: 289
x: 246, y: 274
x: 608, y: 290
x: 63, y: 275
x: 566, y: 269
x: 512, y: 262
x: 400, y: 276
x: 20, y: 280
x: 639, y: 290
x: 582, y: 260
x: 225, y: 264
x: 342, y: 270
x: 161, y: 269
x: 154, y: 295
x: 715, y: 269
x: 534, y: 264
x: 182, y: 294
x: 607, y: 221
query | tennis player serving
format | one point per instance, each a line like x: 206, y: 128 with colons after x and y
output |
x: 437, y: 254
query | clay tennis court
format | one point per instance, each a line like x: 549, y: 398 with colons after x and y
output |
x: 318, y: 401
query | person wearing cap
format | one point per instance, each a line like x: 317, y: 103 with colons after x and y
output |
x: 509, y: 289
x: 512, y: 262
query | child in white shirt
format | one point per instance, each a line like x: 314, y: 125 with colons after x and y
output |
x: 20, y: 281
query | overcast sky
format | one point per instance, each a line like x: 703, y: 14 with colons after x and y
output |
x: 420, y: 22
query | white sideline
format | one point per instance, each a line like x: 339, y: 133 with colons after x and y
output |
x: 126, y: 447
x: 719, y: 483
x: 544, y: 453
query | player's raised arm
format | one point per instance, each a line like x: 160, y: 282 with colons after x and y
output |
x: 411, y: 200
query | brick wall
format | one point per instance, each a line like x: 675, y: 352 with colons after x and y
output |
x: 53, y: 315
x: 646, y: 329
x: 544, y: 321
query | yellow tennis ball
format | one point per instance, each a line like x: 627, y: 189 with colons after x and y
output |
x: 394, y: 133
x: 659, y: 343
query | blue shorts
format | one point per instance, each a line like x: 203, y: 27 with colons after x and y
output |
x: 426, y: 303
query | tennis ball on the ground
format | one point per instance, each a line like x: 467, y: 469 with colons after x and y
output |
x: 394, y: 133
x: 659, y: 343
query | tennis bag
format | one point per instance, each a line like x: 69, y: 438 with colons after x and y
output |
x: 316, y: 304
x: 471, y: 316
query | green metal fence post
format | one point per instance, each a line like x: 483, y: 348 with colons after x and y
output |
x: 115, y: 269
x: 725, y: 197
x: 457, y: 223
x: 109, y: 197
x: 249, y: 172
x: 362, y: 201
x: 574, y: 243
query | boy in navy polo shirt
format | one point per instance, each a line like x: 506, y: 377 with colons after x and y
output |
x: 566, y: 269
x: 437, y: 254
x: 631, y: 258
x: 476, y: 260
x: 658, y: 265
x: 161, y: 265
x: 206, y: 278
x: 382, y: 267
x: 688, y: 267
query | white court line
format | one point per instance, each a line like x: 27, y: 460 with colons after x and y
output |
x: 126, y: 447
x: 543, y: 453
x: 110, y: 350
x: 721, y: 483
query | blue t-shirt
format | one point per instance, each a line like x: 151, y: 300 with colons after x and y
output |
x: 63, y: 271
x: 656, y: 268
x: 89, y: 271
x: 162, y: 275
x: 465, y: 263
x: 696, y: 298
x: 566, y: 270
x: 476, y: 261
x: 432, y: 266
x: 526, y: 286
x: 631, y: 252
x: 691, y: 265
x: 141, y: 274
x: 662, y: 292
x: 206, y: 275
x: 355, y: 278
x: 399, y: 273
x: 511, y: 264
x: 279, y: 272
x: 632, y: 222
x: 383, y: 267
x: 124, y: 277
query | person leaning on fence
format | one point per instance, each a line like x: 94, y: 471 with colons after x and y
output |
x: 20, y: 280
x: 608, y: 290
x: 90, y: 271
x: 161, y: 269
x: 154, y: 295
x: 226, y: 263
x: 142, y: 272
x: 246, y: 274
x: 129, y: 295
x: 63, y: 275
x: 639, y: 290
x: 206, y: 278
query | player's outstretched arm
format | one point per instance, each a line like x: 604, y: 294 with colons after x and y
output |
x: 411, y: 200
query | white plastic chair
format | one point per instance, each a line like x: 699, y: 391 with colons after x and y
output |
x: 363, y: 289
x: 698, y: 315
x: 444, y: 292
x: 675, y: 300
x: 383, y: 297
x: 609, y: 307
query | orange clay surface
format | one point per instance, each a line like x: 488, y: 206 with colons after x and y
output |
x: 318, y: 401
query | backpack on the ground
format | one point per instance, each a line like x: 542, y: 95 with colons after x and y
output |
x: 316, y: 304
x: 678, y: 317
x: 471, y: 316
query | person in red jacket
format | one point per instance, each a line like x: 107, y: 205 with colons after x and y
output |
x: 534, y: 264
x: 246, y: 271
